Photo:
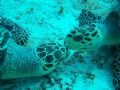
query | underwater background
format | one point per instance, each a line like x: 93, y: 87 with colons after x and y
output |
x: 59, y: 45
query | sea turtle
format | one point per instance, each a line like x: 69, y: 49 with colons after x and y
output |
x: 19, y: 60
x: 87, y: 35
x: 93, y: 33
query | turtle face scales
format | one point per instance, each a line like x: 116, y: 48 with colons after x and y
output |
x: 83, y: 38
x: 87, y: 35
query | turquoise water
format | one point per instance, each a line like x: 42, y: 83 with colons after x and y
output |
x: 59, y: 45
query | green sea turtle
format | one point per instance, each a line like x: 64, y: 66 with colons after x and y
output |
x: 87, y: 35
x: 18, y: 60
x: 94, y: 32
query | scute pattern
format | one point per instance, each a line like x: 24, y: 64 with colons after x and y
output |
x: 51, y: 54
x: 87, y: 35
x: 83, y: 38
x: 17, y: 61
x: 86, y: 17
x: 19, y: 34
x: 46, y: 57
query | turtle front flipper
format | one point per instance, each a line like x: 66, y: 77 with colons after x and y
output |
x: 19, y: 34
x: 6, y: 23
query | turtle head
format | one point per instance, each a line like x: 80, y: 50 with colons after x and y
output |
x: 84, y: 38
